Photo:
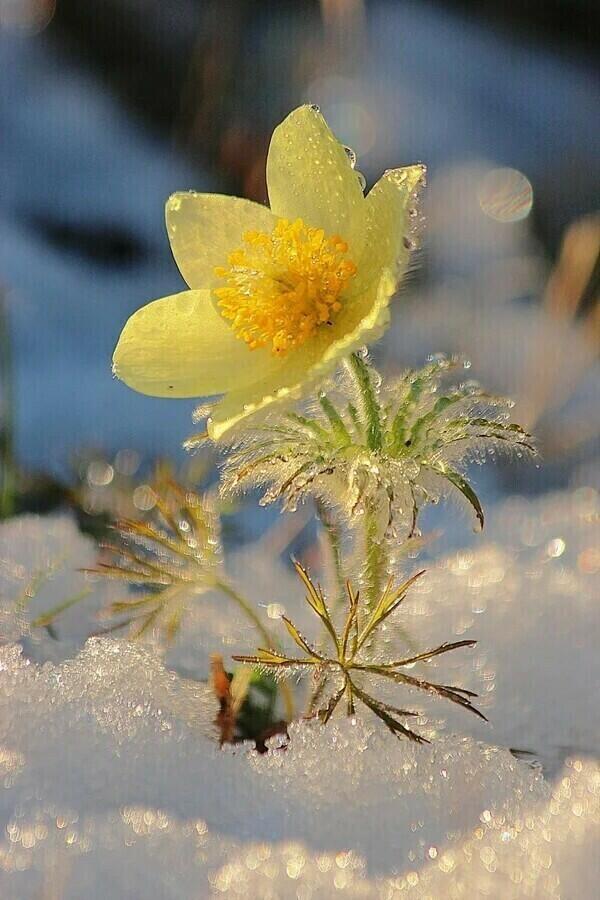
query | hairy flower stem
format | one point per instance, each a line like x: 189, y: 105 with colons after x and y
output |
x: 370, y: 406
x: 331, y: 532
x: 376, y: 563
x: 266, y: 636
x: 375, y: 560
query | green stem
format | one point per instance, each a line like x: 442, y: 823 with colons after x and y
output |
x: 7, y: 468
x: 375, y: 560
x: 370, y: 404
x: 376, y: 563
x: 350, y: 708
x: 332, y: 533
x: 267, y: 637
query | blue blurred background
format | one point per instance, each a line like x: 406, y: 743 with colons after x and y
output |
x: 108, y: 106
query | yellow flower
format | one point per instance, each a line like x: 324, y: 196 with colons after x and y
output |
x: 277, y: 295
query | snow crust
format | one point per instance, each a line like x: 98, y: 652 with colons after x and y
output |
x: 112, y: 782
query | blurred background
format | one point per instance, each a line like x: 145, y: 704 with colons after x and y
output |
x: 108, y: 106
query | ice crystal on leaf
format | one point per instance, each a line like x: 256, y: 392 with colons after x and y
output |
x: 353, y: 661
x: 385, y: 449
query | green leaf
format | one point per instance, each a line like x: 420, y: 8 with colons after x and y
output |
x: 311, y: 427
x: 457, y: 695
x: 126, y: 574
x: 326, y: 713
x: 47, y: 618
x: 355, y: 419
x: 423, y: 426
x: 119, y: 606
x: 485, y: 429
x: 419, y: 381
x: 271, y: 658
x: 462, y: 485
x: 351, y: 623
x: 364, y: 376
x: 249, y: 468
x: 297, y: 637
x: 392, y: 723
x: 428, y: 654
x: 338, y: 426
x: 147, y: 623
x: 315, y: 599
x: 389, y: 602
x: 286, y: 484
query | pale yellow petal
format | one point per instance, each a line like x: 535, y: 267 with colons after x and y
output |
x: 361, y: 322
x: 181, y: 347
x: 310, y: 177
x: 204, y: 228
x: 389, y: 224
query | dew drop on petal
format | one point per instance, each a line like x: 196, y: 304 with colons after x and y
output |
x: 351, y: 155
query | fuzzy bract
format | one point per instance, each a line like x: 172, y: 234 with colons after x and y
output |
x: 369, y: 447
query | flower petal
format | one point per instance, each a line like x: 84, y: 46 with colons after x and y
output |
x: 181, y: 347
x: 309, y: 176
x: 204, y: 228
x: 388, y: 206
x: 361, y: 321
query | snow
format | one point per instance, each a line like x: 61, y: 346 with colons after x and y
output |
x: 112, y: 782
x: 40, y: 563
x: 529, y: 596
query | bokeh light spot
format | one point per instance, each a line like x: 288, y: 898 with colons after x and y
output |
x: 506, y: 195
x: 26, y: 17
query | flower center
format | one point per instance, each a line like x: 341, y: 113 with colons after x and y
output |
x: 281, y: 287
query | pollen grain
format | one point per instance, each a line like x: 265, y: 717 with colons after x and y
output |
x: 281, y: 287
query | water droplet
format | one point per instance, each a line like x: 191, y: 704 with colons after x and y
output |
x: 351, y: 155
x: 275, y: 610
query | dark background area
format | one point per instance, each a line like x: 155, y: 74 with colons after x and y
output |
x: 108, y: 107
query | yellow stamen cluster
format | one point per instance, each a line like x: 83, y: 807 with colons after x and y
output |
x: 280, y: 287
